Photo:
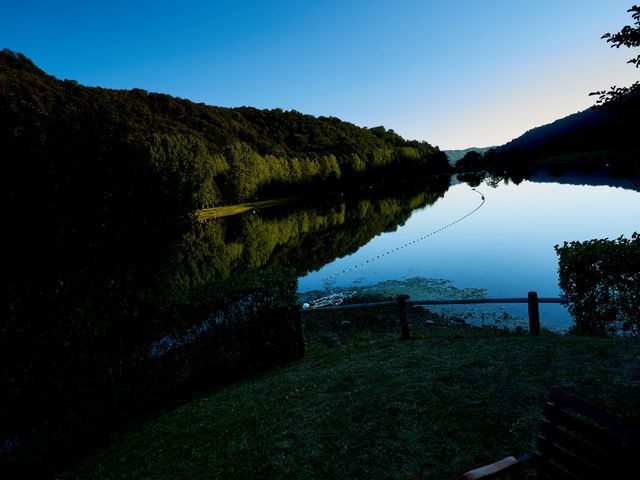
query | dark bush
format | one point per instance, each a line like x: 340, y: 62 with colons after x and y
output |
x: 601, y: 280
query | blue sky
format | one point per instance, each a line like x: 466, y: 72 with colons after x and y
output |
x: 457, y: 74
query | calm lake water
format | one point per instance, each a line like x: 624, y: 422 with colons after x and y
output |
x: 505, y: 247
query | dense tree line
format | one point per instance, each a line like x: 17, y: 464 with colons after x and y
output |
x: 212, y: 147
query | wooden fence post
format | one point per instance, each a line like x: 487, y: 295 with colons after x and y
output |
x: 402, y: 313
x: 534, y: 314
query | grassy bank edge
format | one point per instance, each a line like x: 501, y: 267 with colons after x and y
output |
x: 227, y: 210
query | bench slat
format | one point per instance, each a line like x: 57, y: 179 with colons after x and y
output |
x: 576, y: 445
x: 609, y: 420
x: 612, y: 444
x: 544, y: 466
x: 556, y: 453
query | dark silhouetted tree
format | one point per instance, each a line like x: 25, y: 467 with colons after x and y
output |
x: 628, y: 36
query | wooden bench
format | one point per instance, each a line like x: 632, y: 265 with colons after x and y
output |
x: 577, y: 440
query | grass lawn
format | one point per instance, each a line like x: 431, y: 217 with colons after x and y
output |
x: 216, y: 212
x: 376, y: 407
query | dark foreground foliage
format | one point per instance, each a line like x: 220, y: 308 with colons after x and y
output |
x: 628, y: 36
x: 601, y: 280
x: 65, y: 383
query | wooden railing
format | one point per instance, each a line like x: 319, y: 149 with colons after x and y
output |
x: 403, y: 300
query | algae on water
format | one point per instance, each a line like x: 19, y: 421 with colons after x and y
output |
x: 420, y: 288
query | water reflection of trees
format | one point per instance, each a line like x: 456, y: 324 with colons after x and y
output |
x: 569, y: 177
x: 305, y: 237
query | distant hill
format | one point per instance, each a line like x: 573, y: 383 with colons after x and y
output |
x: 454, y: 155
x: 599, y: 137
x: 586, y: 120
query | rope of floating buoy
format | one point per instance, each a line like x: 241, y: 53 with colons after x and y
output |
x: 337, y: 297
x: 408, y: 244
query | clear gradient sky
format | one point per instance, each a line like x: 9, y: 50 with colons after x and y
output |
x: 455, y: 73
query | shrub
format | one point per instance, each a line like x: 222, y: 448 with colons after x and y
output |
x: 601, y: 280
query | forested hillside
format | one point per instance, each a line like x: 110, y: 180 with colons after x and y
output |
x: 208, y: 154
x: 583, y: 123
x: 597, y: 138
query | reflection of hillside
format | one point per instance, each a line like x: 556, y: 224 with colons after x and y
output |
x: 595, y: 179
x: 304, y: 238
